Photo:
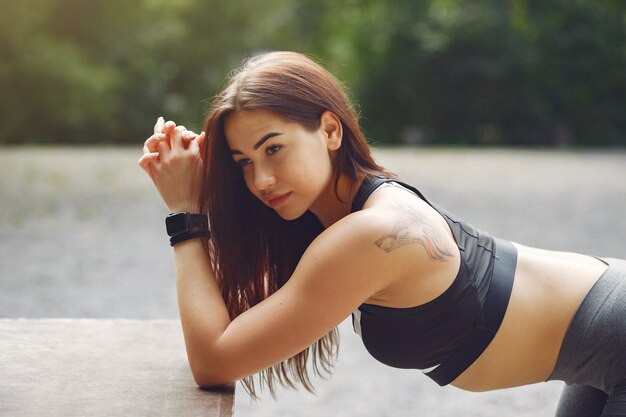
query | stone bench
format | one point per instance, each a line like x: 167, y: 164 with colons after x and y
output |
x: 84, y: 367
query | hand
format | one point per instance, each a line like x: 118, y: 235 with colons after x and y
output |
x: 172, y: 159
x: 162, y: 132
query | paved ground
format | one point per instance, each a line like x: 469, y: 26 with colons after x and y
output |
x: 81, y: 235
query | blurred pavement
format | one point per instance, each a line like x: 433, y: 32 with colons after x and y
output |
x: 82, y: 235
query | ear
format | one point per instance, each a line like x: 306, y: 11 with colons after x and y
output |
x: 330, y: 124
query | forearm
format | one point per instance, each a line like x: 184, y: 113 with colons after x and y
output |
x: 203, y: 313
x: 173, y: 160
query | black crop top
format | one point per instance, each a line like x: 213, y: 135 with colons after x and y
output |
x: 424, y: 336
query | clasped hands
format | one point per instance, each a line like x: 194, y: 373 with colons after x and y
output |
x: 172, y: 159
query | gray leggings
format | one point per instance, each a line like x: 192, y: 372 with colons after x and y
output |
x: 592, y: 360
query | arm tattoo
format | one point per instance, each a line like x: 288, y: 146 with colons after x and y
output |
x: 412, y: 227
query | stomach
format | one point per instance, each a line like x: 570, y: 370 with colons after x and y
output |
x: 549, y: 287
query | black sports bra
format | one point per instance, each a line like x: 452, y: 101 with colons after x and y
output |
x: 427, y: 335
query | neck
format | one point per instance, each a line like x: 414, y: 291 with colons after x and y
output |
x: 330, y: 209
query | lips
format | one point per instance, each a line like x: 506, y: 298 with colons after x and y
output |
x: 277, y: 200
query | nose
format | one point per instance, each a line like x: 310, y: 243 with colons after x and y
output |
x: 263, y: 178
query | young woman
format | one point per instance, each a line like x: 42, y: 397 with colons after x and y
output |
x: 306, y: 229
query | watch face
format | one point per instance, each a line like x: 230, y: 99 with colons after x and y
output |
x: 177, y: 223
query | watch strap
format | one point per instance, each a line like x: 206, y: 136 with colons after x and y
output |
x: 198, y: 222
x: 190, y: 235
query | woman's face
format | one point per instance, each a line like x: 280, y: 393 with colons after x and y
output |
x: 284, y: 165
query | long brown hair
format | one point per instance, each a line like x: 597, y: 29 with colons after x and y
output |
x: 253, y: 250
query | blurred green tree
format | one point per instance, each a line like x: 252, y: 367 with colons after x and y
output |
x: 501, y: 72
x: 437, y: 71
x: 102, y: 71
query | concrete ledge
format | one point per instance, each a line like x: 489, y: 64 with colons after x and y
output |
x: 59, y: 367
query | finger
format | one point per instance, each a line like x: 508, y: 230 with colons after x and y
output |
x: 194, y: 146
x: 176, y: 138
x: 150, y: 144
x: 146, y: 161
x: 187, y: 137
x: 159, y: 125
x: 168, y: 126
x: 164, y: 150
x: 201, y: 139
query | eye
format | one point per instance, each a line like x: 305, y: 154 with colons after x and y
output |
x: 243, y: 162
x: 272, y: 149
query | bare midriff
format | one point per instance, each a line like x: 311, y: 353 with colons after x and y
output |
x: 548, y: 289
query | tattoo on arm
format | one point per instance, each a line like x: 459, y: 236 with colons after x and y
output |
x: 412, y: 227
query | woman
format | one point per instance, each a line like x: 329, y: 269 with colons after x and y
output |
x: 306, y: 229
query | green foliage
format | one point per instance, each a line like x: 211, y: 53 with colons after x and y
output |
x: 103, y: 70
x: 503, y: 72
x: 436, y: 71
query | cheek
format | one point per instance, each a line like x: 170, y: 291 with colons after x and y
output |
x: 312, y: 173
x: 299, y: 174
x: 248, y: 178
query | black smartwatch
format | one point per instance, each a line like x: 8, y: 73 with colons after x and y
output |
x: 183, y: 226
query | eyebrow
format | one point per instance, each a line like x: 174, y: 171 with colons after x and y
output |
x: 259, y: 143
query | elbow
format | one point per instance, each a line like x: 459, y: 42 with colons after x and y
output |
x: 210, y: 365
x: 207, y: 376
x: 211, y: 381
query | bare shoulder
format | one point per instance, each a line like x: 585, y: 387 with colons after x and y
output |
x: 347, y: 251
x: 396, y: 237
x: 404, y: 235
x: 405, y: 220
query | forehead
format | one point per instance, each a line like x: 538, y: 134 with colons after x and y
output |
x: 246, y: 127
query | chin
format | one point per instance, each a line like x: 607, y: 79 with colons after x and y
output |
x: 289, y: 217
x: 290, y: 214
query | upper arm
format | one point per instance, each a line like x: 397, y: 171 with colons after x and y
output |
x: 339, y: 271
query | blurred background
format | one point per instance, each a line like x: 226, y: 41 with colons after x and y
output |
x: 495, y: 72
x: 509, y: 113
